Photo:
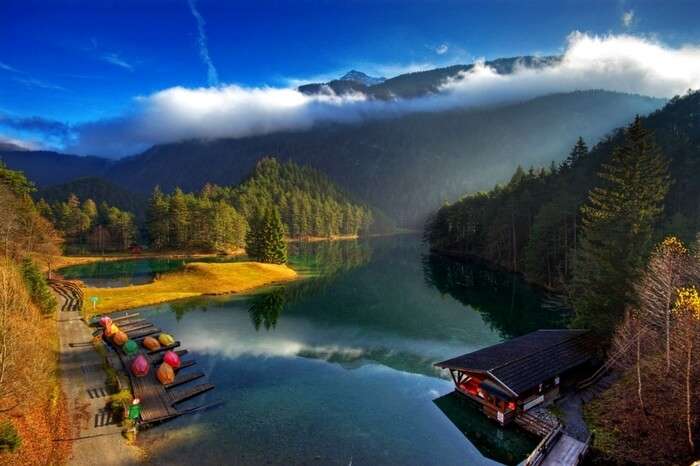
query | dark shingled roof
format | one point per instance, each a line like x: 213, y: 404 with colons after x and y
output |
x: 524, y: 362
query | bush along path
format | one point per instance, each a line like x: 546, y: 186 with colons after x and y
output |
x: 84, y: 374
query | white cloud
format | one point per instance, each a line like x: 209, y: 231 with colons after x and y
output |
x: 212, y: 74
x: 116, y: 60
x: 628, y: 18
x: 621, y: 63
x: 6, y: 67
x: 442, y: 49
x: 21, y: 143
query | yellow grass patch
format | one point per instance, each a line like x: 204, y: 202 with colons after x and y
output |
x: 197, y: 278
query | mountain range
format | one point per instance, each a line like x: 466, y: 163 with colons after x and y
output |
x: 419, y: 83
x: 406, y: 166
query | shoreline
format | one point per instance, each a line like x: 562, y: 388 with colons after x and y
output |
x: 195, y: 280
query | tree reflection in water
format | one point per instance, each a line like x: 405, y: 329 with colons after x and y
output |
x: 508, y: 304
x: 323, y: 261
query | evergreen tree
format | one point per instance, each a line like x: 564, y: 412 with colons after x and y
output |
x: 253, y: 238
x: 274, y: 246
x: 579, y: 151
x: 227, y: 227
x: 179, y: 219
x: 517, y: 176
x: 37, y: 286
x: 265, y: 239
x: 157, y: 219
x: 618, y: 222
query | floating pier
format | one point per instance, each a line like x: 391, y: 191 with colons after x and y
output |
x: 158, y: 401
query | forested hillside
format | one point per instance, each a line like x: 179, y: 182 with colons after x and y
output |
x: 47, y: 168
x: 99, y: 190
x: 218, y: 217
x: 309, y: 203
x: 406, y: 166
x: 533, y: 224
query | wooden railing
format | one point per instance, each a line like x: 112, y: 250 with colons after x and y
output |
x: 540, y: 452
x: 579, y: 460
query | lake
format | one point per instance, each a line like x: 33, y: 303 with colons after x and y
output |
x: 337, y: 369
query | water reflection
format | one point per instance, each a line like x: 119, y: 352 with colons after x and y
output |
x: 265, y: 308
x: 338, y: 367
x: 504, y: 300
x: 505, y: 445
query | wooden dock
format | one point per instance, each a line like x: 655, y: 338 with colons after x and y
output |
x: 557, y: 448
x: 567, y: 451
x: 158, y: 401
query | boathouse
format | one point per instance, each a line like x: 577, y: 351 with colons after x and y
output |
x: 519, y: 374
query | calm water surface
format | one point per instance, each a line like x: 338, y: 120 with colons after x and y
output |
x: 118, y: 273
x: 338, y: 369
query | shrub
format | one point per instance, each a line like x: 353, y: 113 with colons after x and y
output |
x: 9, y: 437
x: 38, y: 287
x: 119, y: 403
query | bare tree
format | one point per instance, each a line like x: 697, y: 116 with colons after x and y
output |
x: 666, y: 271
x: 630, y: 337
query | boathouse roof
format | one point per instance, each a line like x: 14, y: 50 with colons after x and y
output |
x: 526, y: 361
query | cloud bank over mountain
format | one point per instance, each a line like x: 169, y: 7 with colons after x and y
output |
x: 623, y: 63
x: 616, y: 63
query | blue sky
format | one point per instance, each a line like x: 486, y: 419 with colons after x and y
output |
x: 79, y: 62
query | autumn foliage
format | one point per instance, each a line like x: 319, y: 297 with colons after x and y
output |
x: 33, y: 415
x: 30, y: 397
x: 650, y: 416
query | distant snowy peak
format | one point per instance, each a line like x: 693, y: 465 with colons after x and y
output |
x: 362, y: 78
x: 416, y: 84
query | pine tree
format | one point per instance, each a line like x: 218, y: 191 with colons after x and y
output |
x: 517, y: 177
x: 274, y: 245
x: 157, y: 221
x: 179, y: 220
x: 265, y: 239
x: 253, y: 238
x: 618, y: 221
x: 578, y: 152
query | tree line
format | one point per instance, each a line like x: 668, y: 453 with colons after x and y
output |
x: 308, y: 202
x: 586, y: 226
x: 102, y: 227
x: 219, y: 218
x: 193, y: 221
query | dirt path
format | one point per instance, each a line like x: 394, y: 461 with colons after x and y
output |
x: 96, y: 439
